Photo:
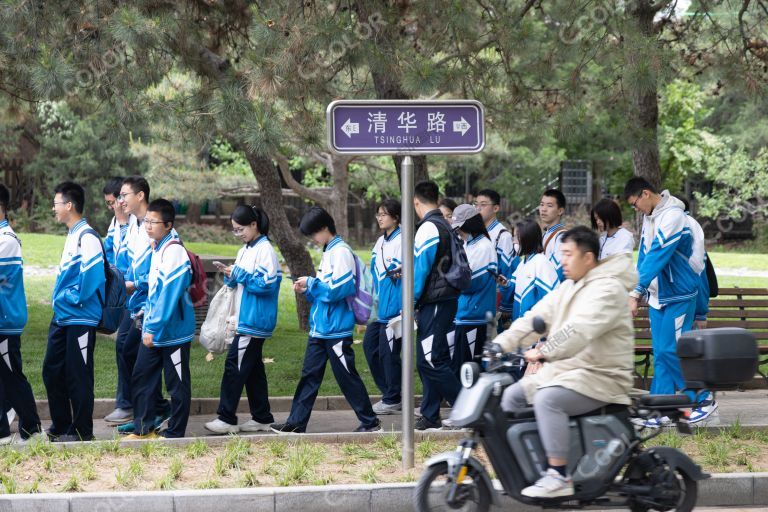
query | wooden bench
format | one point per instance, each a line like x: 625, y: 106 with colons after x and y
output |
x: 733, y: 307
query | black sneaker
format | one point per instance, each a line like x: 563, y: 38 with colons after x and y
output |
x: 286, y: 428
x: 424, y: 424
x: 376, y: 427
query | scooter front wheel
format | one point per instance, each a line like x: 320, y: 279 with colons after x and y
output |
x: 435, y: 488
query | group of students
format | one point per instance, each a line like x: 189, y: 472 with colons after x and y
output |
x: 510, y: 273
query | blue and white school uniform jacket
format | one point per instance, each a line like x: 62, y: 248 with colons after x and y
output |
x: 507, y: 259
x: 552, y: 250
x: 116, y: 244
x: 621, y: 242
x: 139, y: 247
x: 331, y: 317
x: 425, y: 245
x: 257, y: 276
x: 168, y: 312
x: 480, y: 298
x: 80, y: 279
x: 387, y: 256
x: 13, y: 302
x: 664, y: 260
x: 698, y: 265
x: 534, y: 278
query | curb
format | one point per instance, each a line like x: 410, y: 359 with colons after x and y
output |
x: 727, y: 489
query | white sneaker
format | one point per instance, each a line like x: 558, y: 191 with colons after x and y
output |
x: 37, y: 437
x: 6, y: 440
x: 381, y: 409
x: 221, y: 427
x: 11, y: 415
x: 704, y: 415
x: 551, y: 485
x: 664, y: 421
x: 255, y: 426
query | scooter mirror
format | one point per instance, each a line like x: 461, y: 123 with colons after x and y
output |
x: 539, y: 325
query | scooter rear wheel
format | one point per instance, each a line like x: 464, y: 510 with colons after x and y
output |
x: 431, y: 492
x: 687, y: 488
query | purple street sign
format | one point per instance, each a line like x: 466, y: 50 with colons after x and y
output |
x: 405, y: 127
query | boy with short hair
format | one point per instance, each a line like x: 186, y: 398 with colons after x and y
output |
x: 551, y: 210
x: 168, y: 329
x: 77, y: 308
x: 14, y: 386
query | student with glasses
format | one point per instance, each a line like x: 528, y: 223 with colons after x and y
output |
x: 77, y: 309
x: 256, y: 277
x: 134, y: 200
x: 381, y: 344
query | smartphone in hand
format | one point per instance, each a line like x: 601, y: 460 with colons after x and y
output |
x: 219, y: 265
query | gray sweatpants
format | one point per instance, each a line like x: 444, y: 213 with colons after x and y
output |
x: 553, y: 407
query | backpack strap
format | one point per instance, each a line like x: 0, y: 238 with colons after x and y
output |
x: 551, y: 236
x: 91, y: 231
x: 12, y: 235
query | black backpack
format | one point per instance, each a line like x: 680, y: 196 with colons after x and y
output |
x: 458, y: 274
x: 714, y: 288
x: 113, y: 303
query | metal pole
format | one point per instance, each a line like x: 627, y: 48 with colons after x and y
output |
x: 408, y: 233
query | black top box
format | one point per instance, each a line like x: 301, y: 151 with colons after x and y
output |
x: 719, y: 358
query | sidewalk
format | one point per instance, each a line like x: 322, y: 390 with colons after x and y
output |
x: 332, y: 415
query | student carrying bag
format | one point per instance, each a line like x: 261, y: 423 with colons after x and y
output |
x: 115, y: 295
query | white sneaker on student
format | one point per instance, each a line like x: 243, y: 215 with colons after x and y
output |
x: 11, y: 415
x: 7, y: 440
x: 221, y: 427
x: 551, y: 485
x: 704, y: 415
x: 255, y: 426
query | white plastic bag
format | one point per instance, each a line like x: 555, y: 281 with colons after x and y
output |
x: 220, y: 325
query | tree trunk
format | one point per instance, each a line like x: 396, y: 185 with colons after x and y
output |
x: 644, y: 93
x: 193, y: 213
x: 294, y: 252
x: 420, y: 170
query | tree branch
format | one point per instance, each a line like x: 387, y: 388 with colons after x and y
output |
x: 306, y: 192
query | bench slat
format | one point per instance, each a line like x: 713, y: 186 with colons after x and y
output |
x: 643, y: 323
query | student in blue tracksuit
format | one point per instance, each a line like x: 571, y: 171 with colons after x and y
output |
x: 331, y: 322
x: 436, y: 303
x: 77, y: 309
x: 256, y: 277
x: 380, y: 344
x: 488, y: 204
x: 551, y: 210
x: 478, y: 302
x: 167, y: 330
x: 536, y: 275
x: 134, y: 200
x: 666, y: 279
x: 14, y: 386
x: 116, y: 248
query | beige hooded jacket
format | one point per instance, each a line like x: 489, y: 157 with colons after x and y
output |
x: 590, y: 345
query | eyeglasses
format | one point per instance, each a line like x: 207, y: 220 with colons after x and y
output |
x: 55, y: 203
x: 481, y: 205
x: 151, y: 222
x: 382, y: 215
x: 238, y: 231
x: 122, y: 197
x: 110, y: 203
x: 634, y: 204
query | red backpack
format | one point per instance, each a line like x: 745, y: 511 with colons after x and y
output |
x: 198, y: 289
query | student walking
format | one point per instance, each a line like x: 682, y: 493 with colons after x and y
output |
x: 436, y: 304
x: 381, y: 344
x: 614, y: 239
x: 667, y: 281
x: 168, y: 329
x: 77, y: 309
x: 478, y: 302
x: 14, y: 386
x: 331, y: 322
x: 256, y: 277
x: 551, y: 210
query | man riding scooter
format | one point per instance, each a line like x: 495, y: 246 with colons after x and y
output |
x: 588, y: 356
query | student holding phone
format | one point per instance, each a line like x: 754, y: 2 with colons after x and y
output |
x: 256, y: 276
x: 381, y: 344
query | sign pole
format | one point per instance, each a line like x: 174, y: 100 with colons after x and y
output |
x: 408, y: 233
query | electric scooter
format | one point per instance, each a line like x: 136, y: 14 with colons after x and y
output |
x: 608, y: 460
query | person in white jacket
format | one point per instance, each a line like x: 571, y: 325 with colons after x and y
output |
x: 588, y: 355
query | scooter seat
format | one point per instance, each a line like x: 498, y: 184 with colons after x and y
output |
x: 663, y: 401
x: 521, y: 414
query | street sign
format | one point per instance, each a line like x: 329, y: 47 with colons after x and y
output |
x: 405, y: 127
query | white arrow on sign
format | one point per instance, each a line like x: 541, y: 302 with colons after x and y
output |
x: 461, y: 126
x: 349, y: 128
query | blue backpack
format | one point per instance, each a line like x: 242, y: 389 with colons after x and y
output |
x: 361, y: 303
x: 113, y: 304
